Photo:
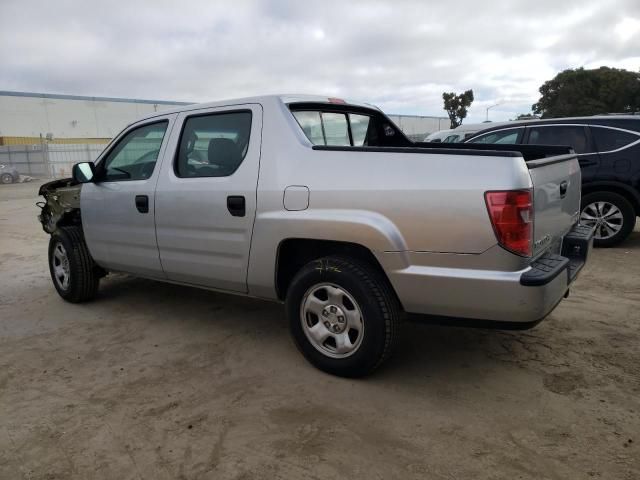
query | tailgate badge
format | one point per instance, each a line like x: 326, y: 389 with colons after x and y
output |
x: 542, y: 242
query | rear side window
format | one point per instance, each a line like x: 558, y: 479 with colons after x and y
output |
x: 608, y: 139
x: 509, y: 136
x: 213, y: 145
x: 573, y: 136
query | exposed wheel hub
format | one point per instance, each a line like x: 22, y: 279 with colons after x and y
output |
x: 334, y: 318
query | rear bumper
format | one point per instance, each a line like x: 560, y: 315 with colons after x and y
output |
x: 523, y: 296
x: 576, y: 246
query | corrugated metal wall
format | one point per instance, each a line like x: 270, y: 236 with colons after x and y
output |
x: 68, y: 116
x: 417, y: 127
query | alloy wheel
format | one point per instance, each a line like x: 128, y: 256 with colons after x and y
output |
x: 60, y: 264
x: 605, y: 217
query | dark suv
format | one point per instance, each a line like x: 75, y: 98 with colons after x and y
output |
x: 608, y: 149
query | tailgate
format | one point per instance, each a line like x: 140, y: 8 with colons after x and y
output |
x: 556, y: 199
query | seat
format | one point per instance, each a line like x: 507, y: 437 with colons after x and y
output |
x: 223, y: 153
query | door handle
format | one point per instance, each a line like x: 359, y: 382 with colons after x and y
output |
x: 563, y: 189
x: 586, y: 162
x: 142, y: 203
x: 236, y: 205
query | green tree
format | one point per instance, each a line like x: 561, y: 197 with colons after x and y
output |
x: 589, y: 92
x: 457, y: 105
x: 527, y: 116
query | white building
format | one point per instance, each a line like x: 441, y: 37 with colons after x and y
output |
x: 58, y: 117
x: 25, y: 114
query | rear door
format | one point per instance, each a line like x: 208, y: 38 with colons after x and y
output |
x: 576, y: 136
x: 206, y: 196
x: 118, y: 207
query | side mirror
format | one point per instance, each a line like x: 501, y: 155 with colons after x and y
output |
x: 83, y: 172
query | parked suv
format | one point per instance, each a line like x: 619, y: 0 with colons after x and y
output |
x: 608, y: 149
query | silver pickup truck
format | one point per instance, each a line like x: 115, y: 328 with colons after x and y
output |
x: 324, y: 205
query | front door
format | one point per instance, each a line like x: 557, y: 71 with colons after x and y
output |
x: 118, y: 207
x: 206, y: 199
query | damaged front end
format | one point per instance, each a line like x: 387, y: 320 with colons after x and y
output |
x: 62, y: 205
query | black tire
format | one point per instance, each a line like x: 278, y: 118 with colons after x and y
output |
x: 379, y: 306
x: 625, y: 207
x: 6, y: 178
x: 83, y: 273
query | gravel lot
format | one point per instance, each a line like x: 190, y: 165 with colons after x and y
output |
x: 163, y: 382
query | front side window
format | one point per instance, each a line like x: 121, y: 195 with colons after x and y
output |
x: 608, y: 139
x: 213, y: 145
x: 135, y: 155
x: 452, y: 139
x: 509, y: 136
x: 572, y: 136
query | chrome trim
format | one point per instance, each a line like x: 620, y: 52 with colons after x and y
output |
x: 590, y: 125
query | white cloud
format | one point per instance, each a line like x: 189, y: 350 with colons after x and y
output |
x: 398, y: 54
x: 627, y: 28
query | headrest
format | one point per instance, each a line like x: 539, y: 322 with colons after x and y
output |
x: 224, y: 153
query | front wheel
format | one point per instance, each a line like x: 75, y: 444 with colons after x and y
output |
x: 343, y: 316
x: 75, y: 276
x: 612, y: 216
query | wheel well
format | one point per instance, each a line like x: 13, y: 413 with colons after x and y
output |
x: 294, y: 253
x: 633, y: 200
x: 71, y: 218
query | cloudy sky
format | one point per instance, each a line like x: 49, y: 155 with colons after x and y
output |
x: 400, y: 55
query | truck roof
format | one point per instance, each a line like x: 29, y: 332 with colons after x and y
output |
x: 284, y: 98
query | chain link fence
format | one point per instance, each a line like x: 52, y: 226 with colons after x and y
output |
x: 44, y: 159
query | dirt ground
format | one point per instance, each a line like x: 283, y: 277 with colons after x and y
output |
x: 154, y: 381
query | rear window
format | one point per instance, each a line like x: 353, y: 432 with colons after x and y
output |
x: 334, y: 128
x: 608, y: 139
x: 359, y: 128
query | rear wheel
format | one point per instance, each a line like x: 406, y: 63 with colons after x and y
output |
x: 343, y: 316
x: 612, y: 216
x: 75, y: 276
x: 6, y: 178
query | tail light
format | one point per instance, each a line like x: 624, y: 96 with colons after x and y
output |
x: 511, y: 213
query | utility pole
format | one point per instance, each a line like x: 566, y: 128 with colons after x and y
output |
x: 489, y: 108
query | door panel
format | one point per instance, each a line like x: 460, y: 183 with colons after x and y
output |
x: 203, y: 236
x: 119, y: 234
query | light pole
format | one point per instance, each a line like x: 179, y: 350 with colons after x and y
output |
x: 489, y: 108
